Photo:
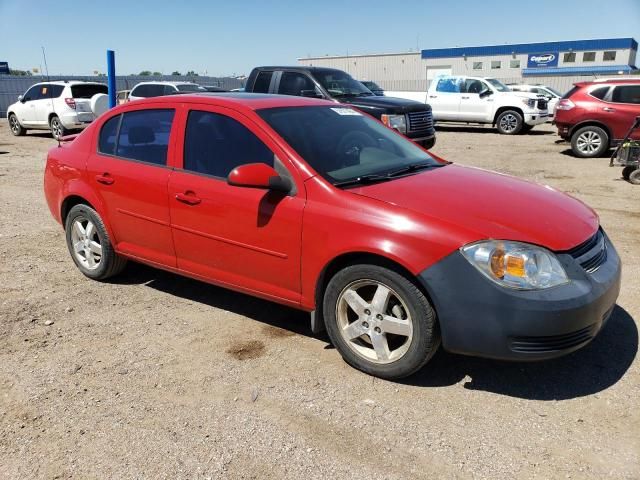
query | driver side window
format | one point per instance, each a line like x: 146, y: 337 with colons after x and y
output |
x: 32, y: 94
x: 471, y: 85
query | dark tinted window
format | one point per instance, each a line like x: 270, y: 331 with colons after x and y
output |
x: 31, y: 94
x: 609, y: 56
x: 263, y: 80
x: 293, y: 83
x: 571, y: 92
x: 215, y: 144
x: 144, y: 135
x: 569, y: 57
x: 168, y: 90
x: 49, y: 91
x: 626, y: 94
x: 599, y: 92
x: 108, y: 134
x: 87, y: 90
x: 149, y: 90
x: 471, y: 85
x: 190, y: 87
x: 589, y: 57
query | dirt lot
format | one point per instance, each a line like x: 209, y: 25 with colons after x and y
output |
x: 157, y: 376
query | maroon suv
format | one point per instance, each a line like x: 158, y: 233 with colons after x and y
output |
x: 595, y: 116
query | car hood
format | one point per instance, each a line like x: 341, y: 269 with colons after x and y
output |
x: 520, y: 95
x: 491, y: 205
x: 389, y: 104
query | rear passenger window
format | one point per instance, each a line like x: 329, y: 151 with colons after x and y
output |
x: 448, y: 85
x: 292, y: 83
x: 263, y: 80
x: 108, y: 134
x: 599, y: 92
x: 215, y: 144
x: 626, y: 94
x: 144, y: 136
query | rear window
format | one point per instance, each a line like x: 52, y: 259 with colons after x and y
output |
x: 189, y: 87
x: 148, y: 90
x: 571, y: 92
x: 87, y: 91
x: 263, y: 80
x: 108, y: 134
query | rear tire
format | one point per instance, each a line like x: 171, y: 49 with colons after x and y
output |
x: 380, y: 321
x: 634, y: 177
x: 89, y: 244
x: 509, y: 122
x: 57, y: 129
x: 626, y: 171
x: 14, y: 124
x: 589, y: 142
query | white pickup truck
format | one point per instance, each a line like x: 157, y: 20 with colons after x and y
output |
x: 481, y: 100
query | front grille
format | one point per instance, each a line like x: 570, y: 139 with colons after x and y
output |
x: 542, y: 104
x: 553, y: 343
x: 592, y: 253
x: 420, y: 121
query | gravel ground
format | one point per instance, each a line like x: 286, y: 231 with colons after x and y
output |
x: 158, y: 376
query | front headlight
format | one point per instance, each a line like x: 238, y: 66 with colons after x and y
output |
x: 515, y: 264
x: 395, y: 121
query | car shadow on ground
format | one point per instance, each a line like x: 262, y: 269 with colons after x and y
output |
x: 484, y: 129
x: 590, y: 370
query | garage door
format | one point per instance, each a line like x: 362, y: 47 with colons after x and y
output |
x: 433, y: 72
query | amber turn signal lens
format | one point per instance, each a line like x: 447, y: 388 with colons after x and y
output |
x: 497, y: 263
x: 515, y: 266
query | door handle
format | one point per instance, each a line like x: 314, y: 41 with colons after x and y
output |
x: 188, y: 197
x: 433, y: 96
x: 105, y: 179
x: 465, y: 98
x: 609, y: 109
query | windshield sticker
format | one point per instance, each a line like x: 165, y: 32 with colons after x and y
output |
x: 346, y: 111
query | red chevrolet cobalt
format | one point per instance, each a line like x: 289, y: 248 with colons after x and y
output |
x: 321, y: 207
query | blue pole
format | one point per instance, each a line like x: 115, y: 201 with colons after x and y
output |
x: 111, y: 77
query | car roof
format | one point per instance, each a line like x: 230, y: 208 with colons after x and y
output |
x: 612, y: 81
x: 300, y: 68
x: 165, y: 82
x: 251, y: 101
x: 69, y: 82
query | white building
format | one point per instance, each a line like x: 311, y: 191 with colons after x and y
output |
x: 557, y: 64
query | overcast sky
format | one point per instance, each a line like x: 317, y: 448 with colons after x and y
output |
x: 231, y: 37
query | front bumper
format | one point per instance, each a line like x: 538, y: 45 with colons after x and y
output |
x: 478, y: 317
x: 536, y: 118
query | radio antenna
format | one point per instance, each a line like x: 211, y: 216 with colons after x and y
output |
x: 44, y: 57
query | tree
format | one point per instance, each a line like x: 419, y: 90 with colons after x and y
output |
x: 145, y: 73
x: 157, y: 74
x: 21, y: 73
x: 176, y: 73
x: 191, y: 73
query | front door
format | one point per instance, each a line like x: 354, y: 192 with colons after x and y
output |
x: 129, y: 170
x: 473, y: 107
x: 235, y: 236
x: 26, y: 111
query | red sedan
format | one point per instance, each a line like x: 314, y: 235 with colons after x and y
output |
x: 321, y: 207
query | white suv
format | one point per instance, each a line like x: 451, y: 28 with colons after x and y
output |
x: 57, y: 106
x: 552, y: 96
x: 158, y: 89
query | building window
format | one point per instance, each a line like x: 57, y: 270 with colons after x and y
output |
x: 609, y: 56
x: 477, y: 65
x: 589, y: 57
x: 496, y: 64
x: 514, y: 64
x: 569, y: 57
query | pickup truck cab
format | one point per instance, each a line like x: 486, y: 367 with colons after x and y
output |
x: 412, y: 119
x: 485, y: 100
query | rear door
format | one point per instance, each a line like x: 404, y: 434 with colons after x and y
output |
x: 82, y: 93
x: 445, y: 98
x: 623, y: 109
x: 244, y: 237
x: 128, y: 169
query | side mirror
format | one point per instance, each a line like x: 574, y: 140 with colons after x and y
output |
x: 310, y: 94
x: 21, y: 99
x: 258, y: 175
x: 485, y: 93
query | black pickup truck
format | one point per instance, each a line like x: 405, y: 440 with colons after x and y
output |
x: 413, y: 119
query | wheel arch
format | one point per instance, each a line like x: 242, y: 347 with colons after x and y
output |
x: 504, y: 109
x: 347, y: 259
x: 591, y: 123
x: 69, y: 202
x: 51, y: 115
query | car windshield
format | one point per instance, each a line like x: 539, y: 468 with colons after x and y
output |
x: 498, y: 85
x: 344, y: 145
x: 554, y: 91
x: 87, y: 90
x: 340, y: 84
x: 371, y: 85
x: 190, y: 87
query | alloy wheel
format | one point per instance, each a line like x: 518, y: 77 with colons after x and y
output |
x: 86, y: 243
x: 589, y: 142
x: 14, y: 124
x: 374, y: 321
x: 56, y: 128
x: 508, y: 123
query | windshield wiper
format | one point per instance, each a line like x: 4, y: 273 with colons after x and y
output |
x: 363, y: 180
x: 414, y: 167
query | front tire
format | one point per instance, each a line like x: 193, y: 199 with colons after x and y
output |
x: 14, y: 124
x: 634, y: 177
x: 57, y: 129
x: 380, y: 321
x: 89, y: 244
x: 509, y: 122
x: 589, y: 142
